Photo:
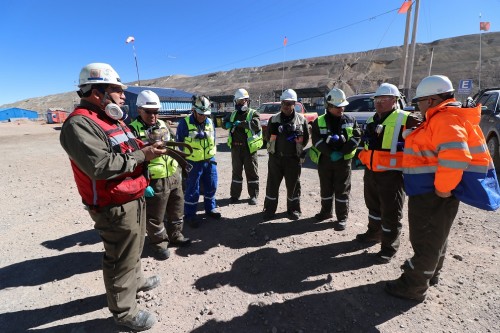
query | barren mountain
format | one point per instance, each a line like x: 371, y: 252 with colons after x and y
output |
x: 456, y: 57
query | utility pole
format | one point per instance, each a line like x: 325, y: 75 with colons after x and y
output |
x: 404, y: 65
x: 412, y: 51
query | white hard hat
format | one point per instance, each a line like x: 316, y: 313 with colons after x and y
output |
x: 201, y: 104
x: 241, y: 94
x: 99, y: 73
x: 336, y: 97
x: 147, y: 99
x: 289, y: 95
x: 434, y: 85
x: 387, y: 89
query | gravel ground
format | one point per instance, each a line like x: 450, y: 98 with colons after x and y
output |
x: 240, y: 274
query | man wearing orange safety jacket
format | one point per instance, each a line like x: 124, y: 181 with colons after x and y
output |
x: 383, y: 179
x: 444, y: 148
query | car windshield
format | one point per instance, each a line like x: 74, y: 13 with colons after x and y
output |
x: 364, y: 104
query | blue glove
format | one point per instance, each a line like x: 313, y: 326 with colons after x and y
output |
x: 201, y: 135
x: 336, y: 155
x: 149, y: 192
x: 236, y: 123
x: 228, y: 125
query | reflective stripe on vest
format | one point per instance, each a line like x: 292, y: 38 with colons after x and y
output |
x: 203, y: 149
x: 254, y: 140
x: 160, y: 167
x: 314, y: 152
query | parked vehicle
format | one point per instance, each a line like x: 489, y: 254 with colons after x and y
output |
x: 267, y: 110
x: 490, y: 121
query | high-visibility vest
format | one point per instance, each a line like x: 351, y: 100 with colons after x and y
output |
x: 254, y: 140
x: 203, y: 149
x: 324, y: 132
x: 125, y: 188
x: 389, y: 156
x: 160, y: 167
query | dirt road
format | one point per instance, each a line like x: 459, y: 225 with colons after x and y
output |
x: 240, y: 274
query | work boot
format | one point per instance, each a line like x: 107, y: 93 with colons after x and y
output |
x: 161, y: 253
x: 399, y: 289
x: 339, y: 225
x: 252, y: 201
x: 178, y: 239
x: 294, y: 214
x: 268, y: 215
x: 434, y: 280
x: 233, y: 200
x: 321, y: 216
x: 214, y: 214
x: 383, y: 257
x: 151, y: 283
x: 369, y: 237
x: 174, y: 232
x: 142, y: 321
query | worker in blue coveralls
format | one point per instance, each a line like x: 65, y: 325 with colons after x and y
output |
x: 198, y: 131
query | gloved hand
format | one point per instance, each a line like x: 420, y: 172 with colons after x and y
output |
x: 336, y: 155
x: 201, y: 135
x: 228, y: 125
x: 236, y: 123
x: 149, y: 192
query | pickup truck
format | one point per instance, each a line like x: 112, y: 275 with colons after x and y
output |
x: 267, y: 110
x: 490, y: 121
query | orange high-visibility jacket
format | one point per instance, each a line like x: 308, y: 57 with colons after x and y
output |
x: 383, y: 151
x: 447, y: 144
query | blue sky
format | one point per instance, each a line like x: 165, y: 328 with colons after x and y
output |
x: 45, y: 43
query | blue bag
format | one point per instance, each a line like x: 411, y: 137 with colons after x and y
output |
x: 479, y: 190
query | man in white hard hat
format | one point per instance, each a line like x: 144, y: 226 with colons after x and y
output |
x: 164, y: 197
x: 244, y: 139
x: 198, y: 131
x: 335, y: 138
x: 445, y: 160
x: 382, y: 156
x: 287, y: 135
x: 108, y: 165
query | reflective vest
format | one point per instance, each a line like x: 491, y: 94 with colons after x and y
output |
x: 387, y: 154
x: 125, y: 188
x: 254, y: 140
x: 298, y: 121
x: 324, y: 132
x: 203, y: 149
x: 160, y: 167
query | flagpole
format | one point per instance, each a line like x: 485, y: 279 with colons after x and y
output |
x: 283, y: 66
x: 480, y: 34
x: 136, y: 66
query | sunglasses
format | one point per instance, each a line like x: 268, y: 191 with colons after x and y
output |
x: 151, y: 112
x: 286, y: 103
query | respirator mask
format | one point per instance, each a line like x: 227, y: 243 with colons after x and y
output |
x: 113, y: 110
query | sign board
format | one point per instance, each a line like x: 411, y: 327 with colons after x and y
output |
x: 465, y: 87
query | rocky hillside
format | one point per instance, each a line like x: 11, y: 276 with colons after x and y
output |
x: 456, y: 57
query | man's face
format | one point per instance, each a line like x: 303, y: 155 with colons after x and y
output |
x: 149, y: 116
x: 384, y: 103
x: 287, y: 107
x: 200, y: 118
x: 336, y: 111
x: 116, y: 94
x: 241, y: 102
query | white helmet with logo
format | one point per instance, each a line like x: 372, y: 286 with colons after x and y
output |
x: 434, y: 85
x: 99, y: 73
x: 241, y: 94
x: 336, y: 97
x: 289, y: 95
x: 387, y: 89
x: 147, y: 99
x: 201, y: 104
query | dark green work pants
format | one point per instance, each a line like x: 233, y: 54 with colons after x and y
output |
x: 242, y: 159
x: 335, y: 182
x: 277, y: 168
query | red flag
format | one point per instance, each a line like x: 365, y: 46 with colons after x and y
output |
x: 485, y: 26
x: 404, y: 7
x: 285, y: 41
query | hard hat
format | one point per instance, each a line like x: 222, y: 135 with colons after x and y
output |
x: 241, y: 94
x: 201, y: 104
x: 387, y: 89
x: 99, y: 73
x: 336, y: 97
x: 147, y: 99
x: 289, y: 95
x: 433, y: 85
